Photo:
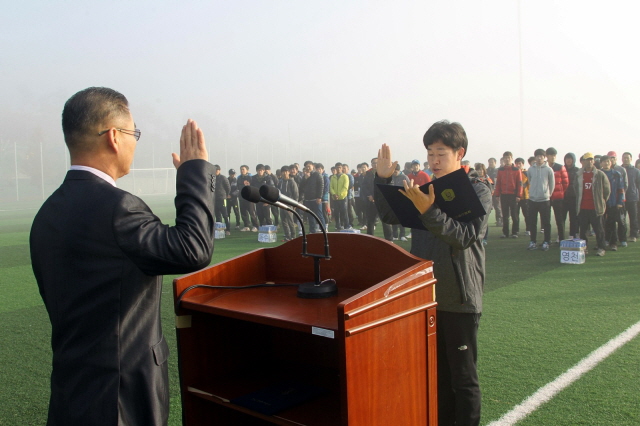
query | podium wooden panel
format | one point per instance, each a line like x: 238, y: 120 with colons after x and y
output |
x: 372, y: 347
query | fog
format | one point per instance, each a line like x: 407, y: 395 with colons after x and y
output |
x: 277, y: 82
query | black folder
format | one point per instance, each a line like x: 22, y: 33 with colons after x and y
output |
x: 455, y: 196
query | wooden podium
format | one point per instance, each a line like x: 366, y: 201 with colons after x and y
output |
x: 371, y: 349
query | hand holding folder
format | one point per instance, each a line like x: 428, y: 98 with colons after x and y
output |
x: 454, y: 195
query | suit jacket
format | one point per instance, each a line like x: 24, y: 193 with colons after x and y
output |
x: 98, y: 254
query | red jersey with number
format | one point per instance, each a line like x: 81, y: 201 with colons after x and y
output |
x: 587, y: 192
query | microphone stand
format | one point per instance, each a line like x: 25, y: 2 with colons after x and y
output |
x: 309, y: 290
x: 318, y: 289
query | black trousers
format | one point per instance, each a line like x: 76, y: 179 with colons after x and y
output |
x: 496, y: 207
x: 372, y: 214
x: 632, y: 210
x: 232, y: 204
x: 560, y: 215
x: 524, y: 206
x: 360, y: 211
x: 509, y: 209
x: 544, y: 208
x: 459, y: 397
x: 588, y: 218
x: 340, y: 214
x: 221, y: 212
x: 614, y: 217
x: 248, y: 212
x: 571, y: 209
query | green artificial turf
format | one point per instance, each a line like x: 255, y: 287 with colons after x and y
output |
x: 540, y: 318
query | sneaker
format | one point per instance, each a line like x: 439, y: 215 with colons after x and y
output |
x: 514, y: 236
x: 593, y: 234
x: 409, y: 236
x: 484, y: 242
x: 245, y: 229
x: 542, y: 231
x: 632, y: 239
x: 545, y: 246
x: 613, y: 247
x: 227, y: 233
x: 503, y: 236
x: 600, y: 252
x: 623, y: 244
x: 394, y: 239
x: 532, y: 246
x: 528, y: 233
x: 300, y: 233
x: 237, y: 227
x: 403, y: 239
x: 364, y: 228
x: 606, y: 244
x: 254, y: 229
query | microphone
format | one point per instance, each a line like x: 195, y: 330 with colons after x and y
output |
x: 252, y: 194
x: 310, y: 290
x: 271, y: 193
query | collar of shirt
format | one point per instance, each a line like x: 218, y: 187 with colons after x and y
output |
x: 100, y: 174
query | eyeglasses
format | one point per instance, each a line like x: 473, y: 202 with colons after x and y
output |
x: 135, y: 133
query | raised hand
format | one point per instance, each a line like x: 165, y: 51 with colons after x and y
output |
x: 385, y: 166
x: 192, y: 144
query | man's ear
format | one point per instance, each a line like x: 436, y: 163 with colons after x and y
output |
x: 460, y: 153
x: 112, y: 140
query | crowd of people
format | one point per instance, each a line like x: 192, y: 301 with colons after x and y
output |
x: 575, y: 190
x: 340, y: 195
x: 600, y: 198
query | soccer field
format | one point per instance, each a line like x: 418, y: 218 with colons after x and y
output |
x: 541, y: 319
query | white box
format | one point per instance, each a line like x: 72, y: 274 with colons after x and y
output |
x: 219, y: 234
x: 220, y: 225
x: 572, y: 251
x: 351, y: 231
x: 267, y: 237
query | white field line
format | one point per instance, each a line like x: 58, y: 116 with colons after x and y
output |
x: 548, y: 391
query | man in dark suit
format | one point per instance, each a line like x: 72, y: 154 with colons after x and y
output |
x: 98, y: 253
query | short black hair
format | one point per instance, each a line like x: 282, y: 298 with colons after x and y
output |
x: 507, y: 154
x: 450, y: 134
x: 260, y: 167
x: 88, y: 109
x: 519, y: 160
x: 319, y: 166
x: 551, y: 151
x: 284, y: 169
x: 540, y: 151
x: 216, y: 167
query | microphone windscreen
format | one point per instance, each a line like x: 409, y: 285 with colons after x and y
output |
x: 269, y: 193
x: 250, y: 193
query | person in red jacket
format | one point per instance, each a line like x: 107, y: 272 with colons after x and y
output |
x: 509, y: 190
x: 557, y: 197
x: 418, y: 176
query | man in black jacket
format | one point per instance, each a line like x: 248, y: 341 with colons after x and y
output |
x: 458, y: 262
x: 247, y: 208
x: 223, y: 191
x: 232, y: 201
x: 311, y: 189
x: 98, y: 253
